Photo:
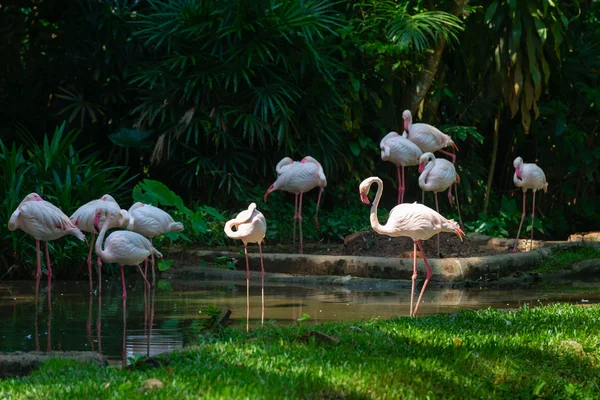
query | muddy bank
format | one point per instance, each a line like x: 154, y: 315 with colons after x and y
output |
x: 22, y: 363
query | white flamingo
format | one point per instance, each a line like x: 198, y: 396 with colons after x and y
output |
x: 151, y: 221
x: 402, y: 152
x: 250, y: 227
x: 83, y: 218
x: 429, y: 138
x: 297, y: 178
x: 436, y: 176
x: 528, y: 176
x: 122, y: 247
x: 44, y: 221
x: 415, y: 221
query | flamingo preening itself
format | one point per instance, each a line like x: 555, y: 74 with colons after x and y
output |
x: 150, y: 221
x: 436, y: 176
x: 44, y: 221
x: 415, y: 221
x: 429, y: 138
x: 402, y: 152
x: 250, y: 227
x: 528, y: 176
x: 297, y: 178
x: 84, y: 217
x: 122, y: 247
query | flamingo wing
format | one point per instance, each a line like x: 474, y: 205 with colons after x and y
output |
x: 127, y: 248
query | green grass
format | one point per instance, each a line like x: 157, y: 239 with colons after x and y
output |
x: 484, y: 354
x: 563, y: 258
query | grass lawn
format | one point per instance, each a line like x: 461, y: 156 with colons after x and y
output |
x: 550, y: 352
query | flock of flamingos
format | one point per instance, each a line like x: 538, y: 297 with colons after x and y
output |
x: 142, y: 222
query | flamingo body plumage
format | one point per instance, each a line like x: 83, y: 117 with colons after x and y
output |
x: 429, y: 138
x: 415, y: 221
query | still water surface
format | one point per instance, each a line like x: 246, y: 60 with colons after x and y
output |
x: 68, y: 317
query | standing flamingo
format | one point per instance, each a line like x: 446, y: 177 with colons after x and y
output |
x: 427, y: 137
x: 436, y: 176
x: 528, y: 176
x: 415, y: 221
x: 151, y: 221
x: 402, y: 152
x: 297, y: 178
x: 251, y: 227
x: 83, y: 218
x: 44, y: 221
x: 123, y: 247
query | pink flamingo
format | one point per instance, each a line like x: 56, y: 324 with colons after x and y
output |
x: 251, y: 227
x: 297, y: 178
x: 436, y: 176
x: 123, y: 247
x: 83, y: 218
x: 402, y: 152
x: 150, y: 221
x: 415, y: 221
x: 427, y: 137
x: 528, y: 176
x: 44, y: 221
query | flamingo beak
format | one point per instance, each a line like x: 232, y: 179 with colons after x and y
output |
x: 421, y: 167
x: 364, y: 198
x: 267, y: 193
x: 454, y: 146
x: 406, y: 125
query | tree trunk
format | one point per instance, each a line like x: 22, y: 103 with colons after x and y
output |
x: 488, y: 186
x: 423, y: 83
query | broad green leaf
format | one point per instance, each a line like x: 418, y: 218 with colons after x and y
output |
x: 131, y: 138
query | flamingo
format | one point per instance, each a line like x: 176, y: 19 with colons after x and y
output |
x: 402, y: 152
x: 123, y: 247
x: 83, y: 218
x: 251, y: 227
x: 415, y: 221
x: 44, y: 221
x: 528, y: 176
x: 150, y: 221
x: 297, y: 178
x: 427, y: 137
x: 436, y: 176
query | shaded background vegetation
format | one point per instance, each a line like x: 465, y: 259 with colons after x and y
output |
x: 207, y: 96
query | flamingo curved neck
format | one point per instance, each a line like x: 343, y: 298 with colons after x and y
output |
x: 425, y: 174
x: 229, y: 231
x: 377, y: 227
x: 101, y: 253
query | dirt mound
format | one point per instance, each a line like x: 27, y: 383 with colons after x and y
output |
x: 373, y: 244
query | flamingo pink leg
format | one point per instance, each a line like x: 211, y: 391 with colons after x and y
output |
x: 429, y: 273
x: 123, y: 283
x: 317, y: 210
x: 400, y: 188
x: 144, y: 276
x: 48, y: 348
x: 414, y: 278
x: 437, y: 208
x: 452, y: 156
x: 457, y: 205
x: 99, y: 263
x: 153, y: 273
x: 146, y: 266
x: 39, y: 260
x: 300, y: 220
x: 532, y: 221
x: 450, y: 195
x: 247, y: 287
x: 262, y: 275
x: 99, y: 324
x: 295, y: 218
x: 48, y: 263
x: 89, y: 259
x: 124, y: 352
x: 521, y: 224
x: 35, y: 322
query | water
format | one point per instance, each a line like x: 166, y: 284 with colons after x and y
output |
x: 68, y: 317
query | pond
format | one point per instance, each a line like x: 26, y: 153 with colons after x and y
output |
x: 68, y: 317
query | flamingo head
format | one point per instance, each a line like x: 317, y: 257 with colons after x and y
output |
x: 32, y: 197
x: 407, y: 117
x: 309, y: 159
x: 269, y: 190
x: 364, y: 191
x: 517, y: 164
